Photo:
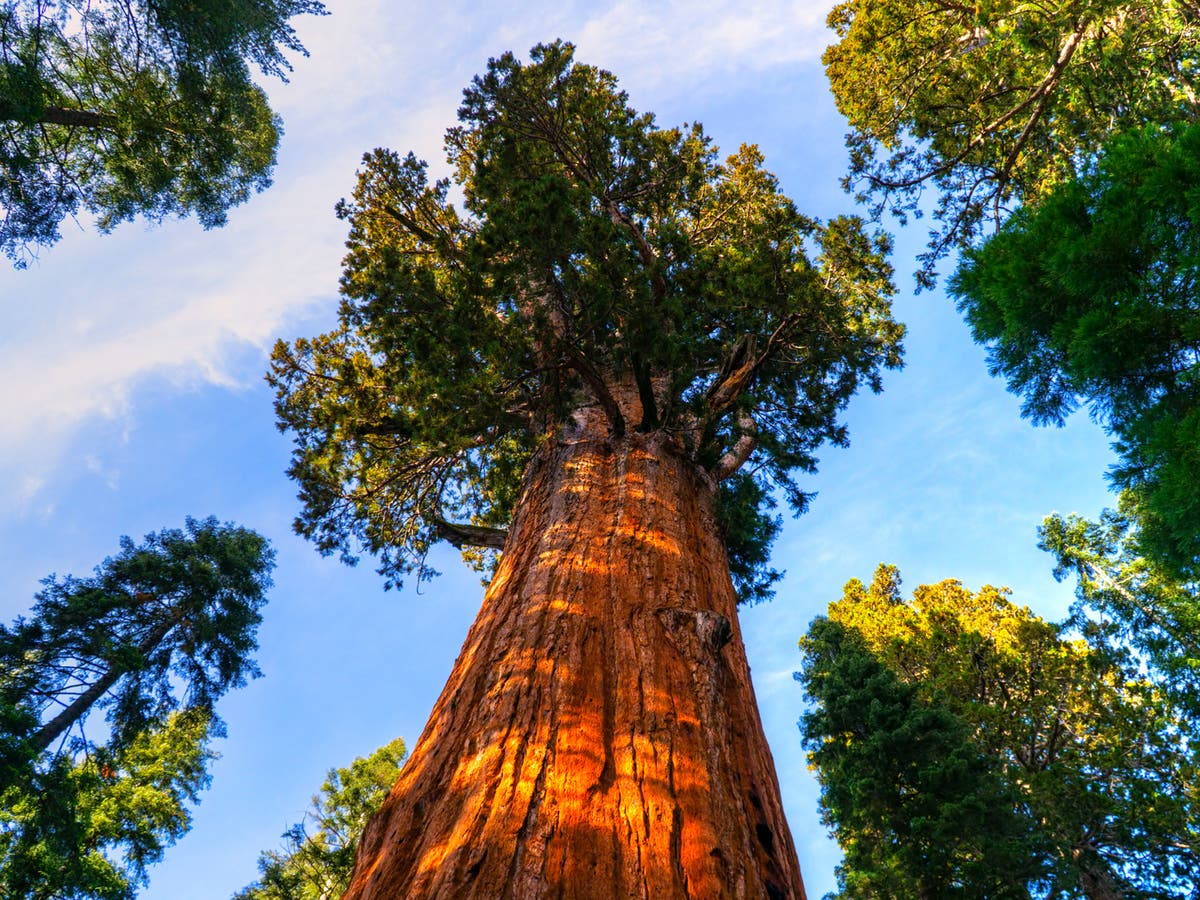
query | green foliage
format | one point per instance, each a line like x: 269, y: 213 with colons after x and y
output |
x: 1091, y: 767
x: 154, y: 637
x: 62, y: 826
x: 126, y: 109
x: 1080, y: 116
x: 1126, y: 602
x: 743, y: 506
x: 919, y: 810
x: 992, y: 103
x: 1090, y: 296
x: 318, y: 854
x: 600, y: 261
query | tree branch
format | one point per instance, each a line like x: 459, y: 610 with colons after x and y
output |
x: 76, y: 118
x: 49, y: 732
x: 736, y: 370
x: 645, y: 387
x: 461, y: 535
x: 645, y: 251
x: 603, y: 395
x: 737, y: 455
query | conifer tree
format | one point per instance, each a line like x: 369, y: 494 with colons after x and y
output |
x: 121, y: 109
x: 990, y: 104
x: 594, y: 374
x: 318, y: 853
x: 968, y: 748
x: 1067, y: 131
x: 154, y: 638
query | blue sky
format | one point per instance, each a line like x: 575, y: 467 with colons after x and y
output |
x: 133, y: 396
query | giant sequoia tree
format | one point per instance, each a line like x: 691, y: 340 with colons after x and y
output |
x: 599, y: 367
x: 145, y: 108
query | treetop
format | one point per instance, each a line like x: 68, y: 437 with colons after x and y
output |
x: 599, y: 261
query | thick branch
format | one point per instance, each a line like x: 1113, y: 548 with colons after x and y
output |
x: 645, y: 251
x: 76, y: 118
x: 470, y: 535
x: 645, y: 389
x: 579, y: 363
x: 413, y: 227
x: 735, y: 374
x: 737, y: 455
x: 1045, y: 90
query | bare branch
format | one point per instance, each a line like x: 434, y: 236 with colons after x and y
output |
x: 737, y: 455
x: 461, y: 535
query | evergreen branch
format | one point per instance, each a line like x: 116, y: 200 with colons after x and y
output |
x: 645, y: 251
x: 46, y: 735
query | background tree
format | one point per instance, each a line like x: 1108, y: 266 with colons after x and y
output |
x: 318, y: 853
x: 613, y: 352
x: 1090, y: 297
x: 160, y: 632
x: 991, y: 103
x: 126, y: 109
x: 1128, y: 604
x: 88, y: 825
x: 919, y: 810
x: 1096, y: 759
x: 1074, y: 118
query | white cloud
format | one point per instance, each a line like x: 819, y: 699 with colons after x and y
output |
x: 688, y: 44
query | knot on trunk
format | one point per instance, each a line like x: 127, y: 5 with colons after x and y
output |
x: 711, y: 629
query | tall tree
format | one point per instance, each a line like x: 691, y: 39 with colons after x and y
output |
x: 88, y: 825
x: 318, y: 854
x: 1126, y: 603
x: 1089, y: 297
x: 155, y: 637
x: 919, y: 810
x: 122, y: 109
x: 1097, y: 761
x: 600, y: 366
x: 990, y: 103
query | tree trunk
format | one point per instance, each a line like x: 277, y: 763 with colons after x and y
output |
x: 598, y: 736
x: 52, y: 730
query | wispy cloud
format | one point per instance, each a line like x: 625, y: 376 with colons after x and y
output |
x: 688, y: 44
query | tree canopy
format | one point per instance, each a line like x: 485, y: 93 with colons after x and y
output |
x: 318, y: 853
x: 1090, y: 782
x: 1090, y: 297
x: 1068, y: 126
x: 154, y: 637
x: 599, y: 261
x: 1126, y: 603
x: 992, y: 103
x: 127, y: 109
x: 918, y: 809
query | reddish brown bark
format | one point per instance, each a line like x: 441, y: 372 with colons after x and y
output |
x: 598, y: 736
